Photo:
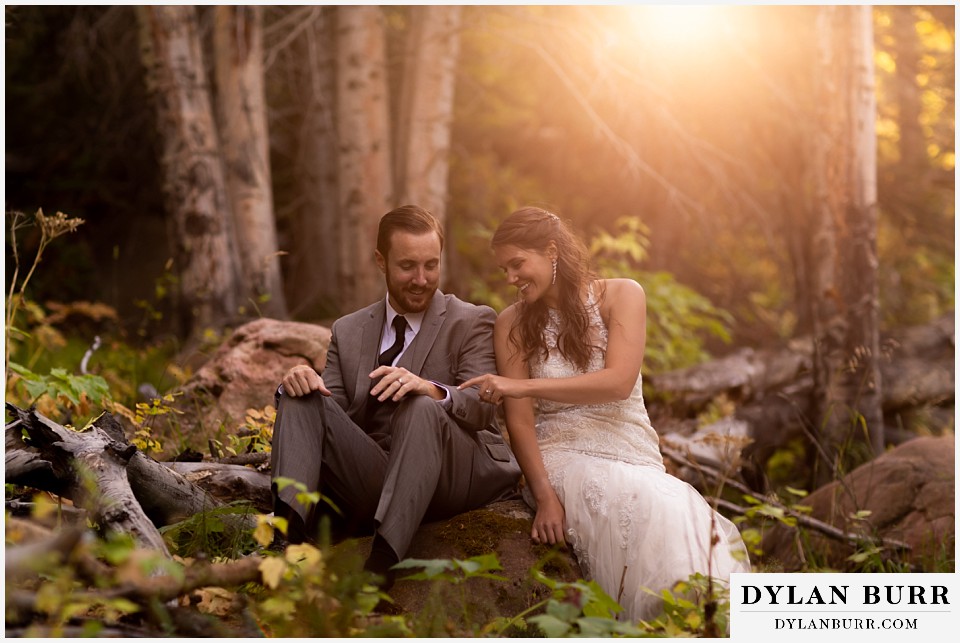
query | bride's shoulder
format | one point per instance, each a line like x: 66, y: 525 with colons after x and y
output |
x: 509, y: 313
x: 618, y: 288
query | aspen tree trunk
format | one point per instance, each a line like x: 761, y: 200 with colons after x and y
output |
x: 426, y: 107
x: 363, y: 131
x: 847, y: 392
x: 238, y: 62
x: 193, y: 181
x: 316, y: 251
x: 422, y: 153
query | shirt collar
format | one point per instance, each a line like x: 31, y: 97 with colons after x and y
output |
x: 414, y: 320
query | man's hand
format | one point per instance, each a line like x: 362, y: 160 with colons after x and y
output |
x: 303, y: 380
x: 397, y: 382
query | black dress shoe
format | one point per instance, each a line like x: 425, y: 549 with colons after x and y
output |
x: 381, y: 559
x: 386, y: 608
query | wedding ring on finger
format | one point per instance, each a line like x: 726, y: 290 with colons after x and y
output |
x: 400, y: 381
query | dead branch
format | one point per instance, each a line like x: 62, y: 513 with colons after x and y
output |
x: 807, y: 521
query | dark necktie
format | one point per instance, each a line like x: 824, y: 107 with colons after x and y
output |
x: 400, y: 327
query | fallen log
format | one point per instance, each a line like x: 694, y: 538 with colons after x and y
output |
x: 771, y: 391
x: 23, y: 464
x: 916, y: 368
x: 166, y: 495
x: 135, y: 494
x: 228, y: 482
x: 92, y: 465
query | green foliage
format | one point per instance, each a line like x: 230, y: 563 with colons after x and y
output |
x: 699, y: 607
x: 60, y: 599
x: 152, y: 309
x: 304, y: 497
x: 678, y: 318
x: 308, y: 594
x: 579, y: 609
x: 50, y: 229
x: 73, y: 393
x: 254, y: 435
x: 453, y: 571
x: 208, y: 533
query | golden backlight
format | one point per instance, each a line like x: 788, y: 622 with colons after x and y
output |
x: 678, y: 25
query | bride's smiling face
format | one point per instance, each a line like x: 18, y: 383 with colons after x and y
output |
x: 529, y: 271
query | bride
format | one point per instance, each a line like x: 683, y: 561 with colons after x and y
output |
x: 568, y: 355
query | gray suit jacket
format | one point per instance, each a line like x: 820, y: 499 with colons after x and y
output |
x: 455, y: 343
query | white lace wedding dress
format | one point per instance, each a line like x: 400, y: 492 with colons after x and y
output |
x: 631, y: 524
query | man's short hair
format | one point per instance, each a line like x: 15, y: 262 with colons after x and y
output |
x: 407, y: 218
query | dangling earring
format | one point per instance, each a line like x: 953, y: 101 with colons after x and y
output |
x: 554, y: 271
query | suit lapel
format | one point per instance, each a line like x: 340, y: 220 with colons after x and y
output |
x: 414, y: 357
x: 368, y: 346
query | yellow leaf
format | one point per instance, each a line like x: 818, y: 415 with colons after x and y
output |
x: 272, y: 570
x: 263, y: 533
x: 303, y: 553
x: 216, y: 601
x: 43, y: 507
x: 693, y: 620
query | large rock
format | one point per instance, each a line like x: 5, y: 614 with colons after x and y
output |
x: 244, y: 373
x: 909, y: 492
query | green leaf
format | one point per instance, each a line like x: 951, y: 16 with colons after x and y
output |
x: 551, y: 625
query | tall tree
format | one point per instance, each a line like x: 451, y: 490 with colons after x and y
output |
x: 363, y: 133
x: 305, y: 71
x: 426, y: 107
x: 193, y: 180
x: 422, y: 152
x: 844, y: 245
x: 238, y: 64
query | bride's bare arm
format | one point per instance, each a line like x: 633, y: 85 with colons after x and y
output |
x: 624, y: 310
x: 548, y: 522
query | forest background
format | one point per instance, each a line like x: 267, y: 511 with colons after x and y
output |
x: 766, y: 173
x: 232, y: 162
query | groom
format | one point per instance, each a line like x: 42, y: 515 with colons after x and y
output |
x: 383, y: 431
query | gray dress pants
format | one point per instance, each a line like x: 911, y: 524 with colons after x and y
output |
x: 423, y: 465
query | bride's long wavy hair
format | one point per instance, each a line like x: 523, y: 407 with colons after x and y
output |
x: 532, y: 228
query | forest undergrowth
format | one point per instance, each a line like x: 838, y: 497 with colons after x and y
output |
x: 93, y: 582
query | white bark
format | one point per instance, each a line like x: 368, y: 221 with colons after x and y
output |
x: 194, y: 185
x: 363, y: 131
x: 238, y: 58
x: 846, y: 315
x: 426, y: 112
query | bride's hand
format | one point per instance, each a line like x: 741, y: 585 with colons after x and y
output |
x: 548, y: 523
x: 493, y: 388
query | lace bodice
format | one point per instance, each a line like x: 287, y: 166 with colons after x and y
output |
x: 613, y: 430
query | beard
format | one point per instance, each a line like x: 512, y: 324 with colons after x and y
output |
x: 409, y: 298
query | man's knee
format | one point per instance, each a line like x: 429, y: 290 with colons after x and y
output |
x: 421, y: 416
x: 418, y: 409
x: 303, y: 408
x: 309, y: 401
